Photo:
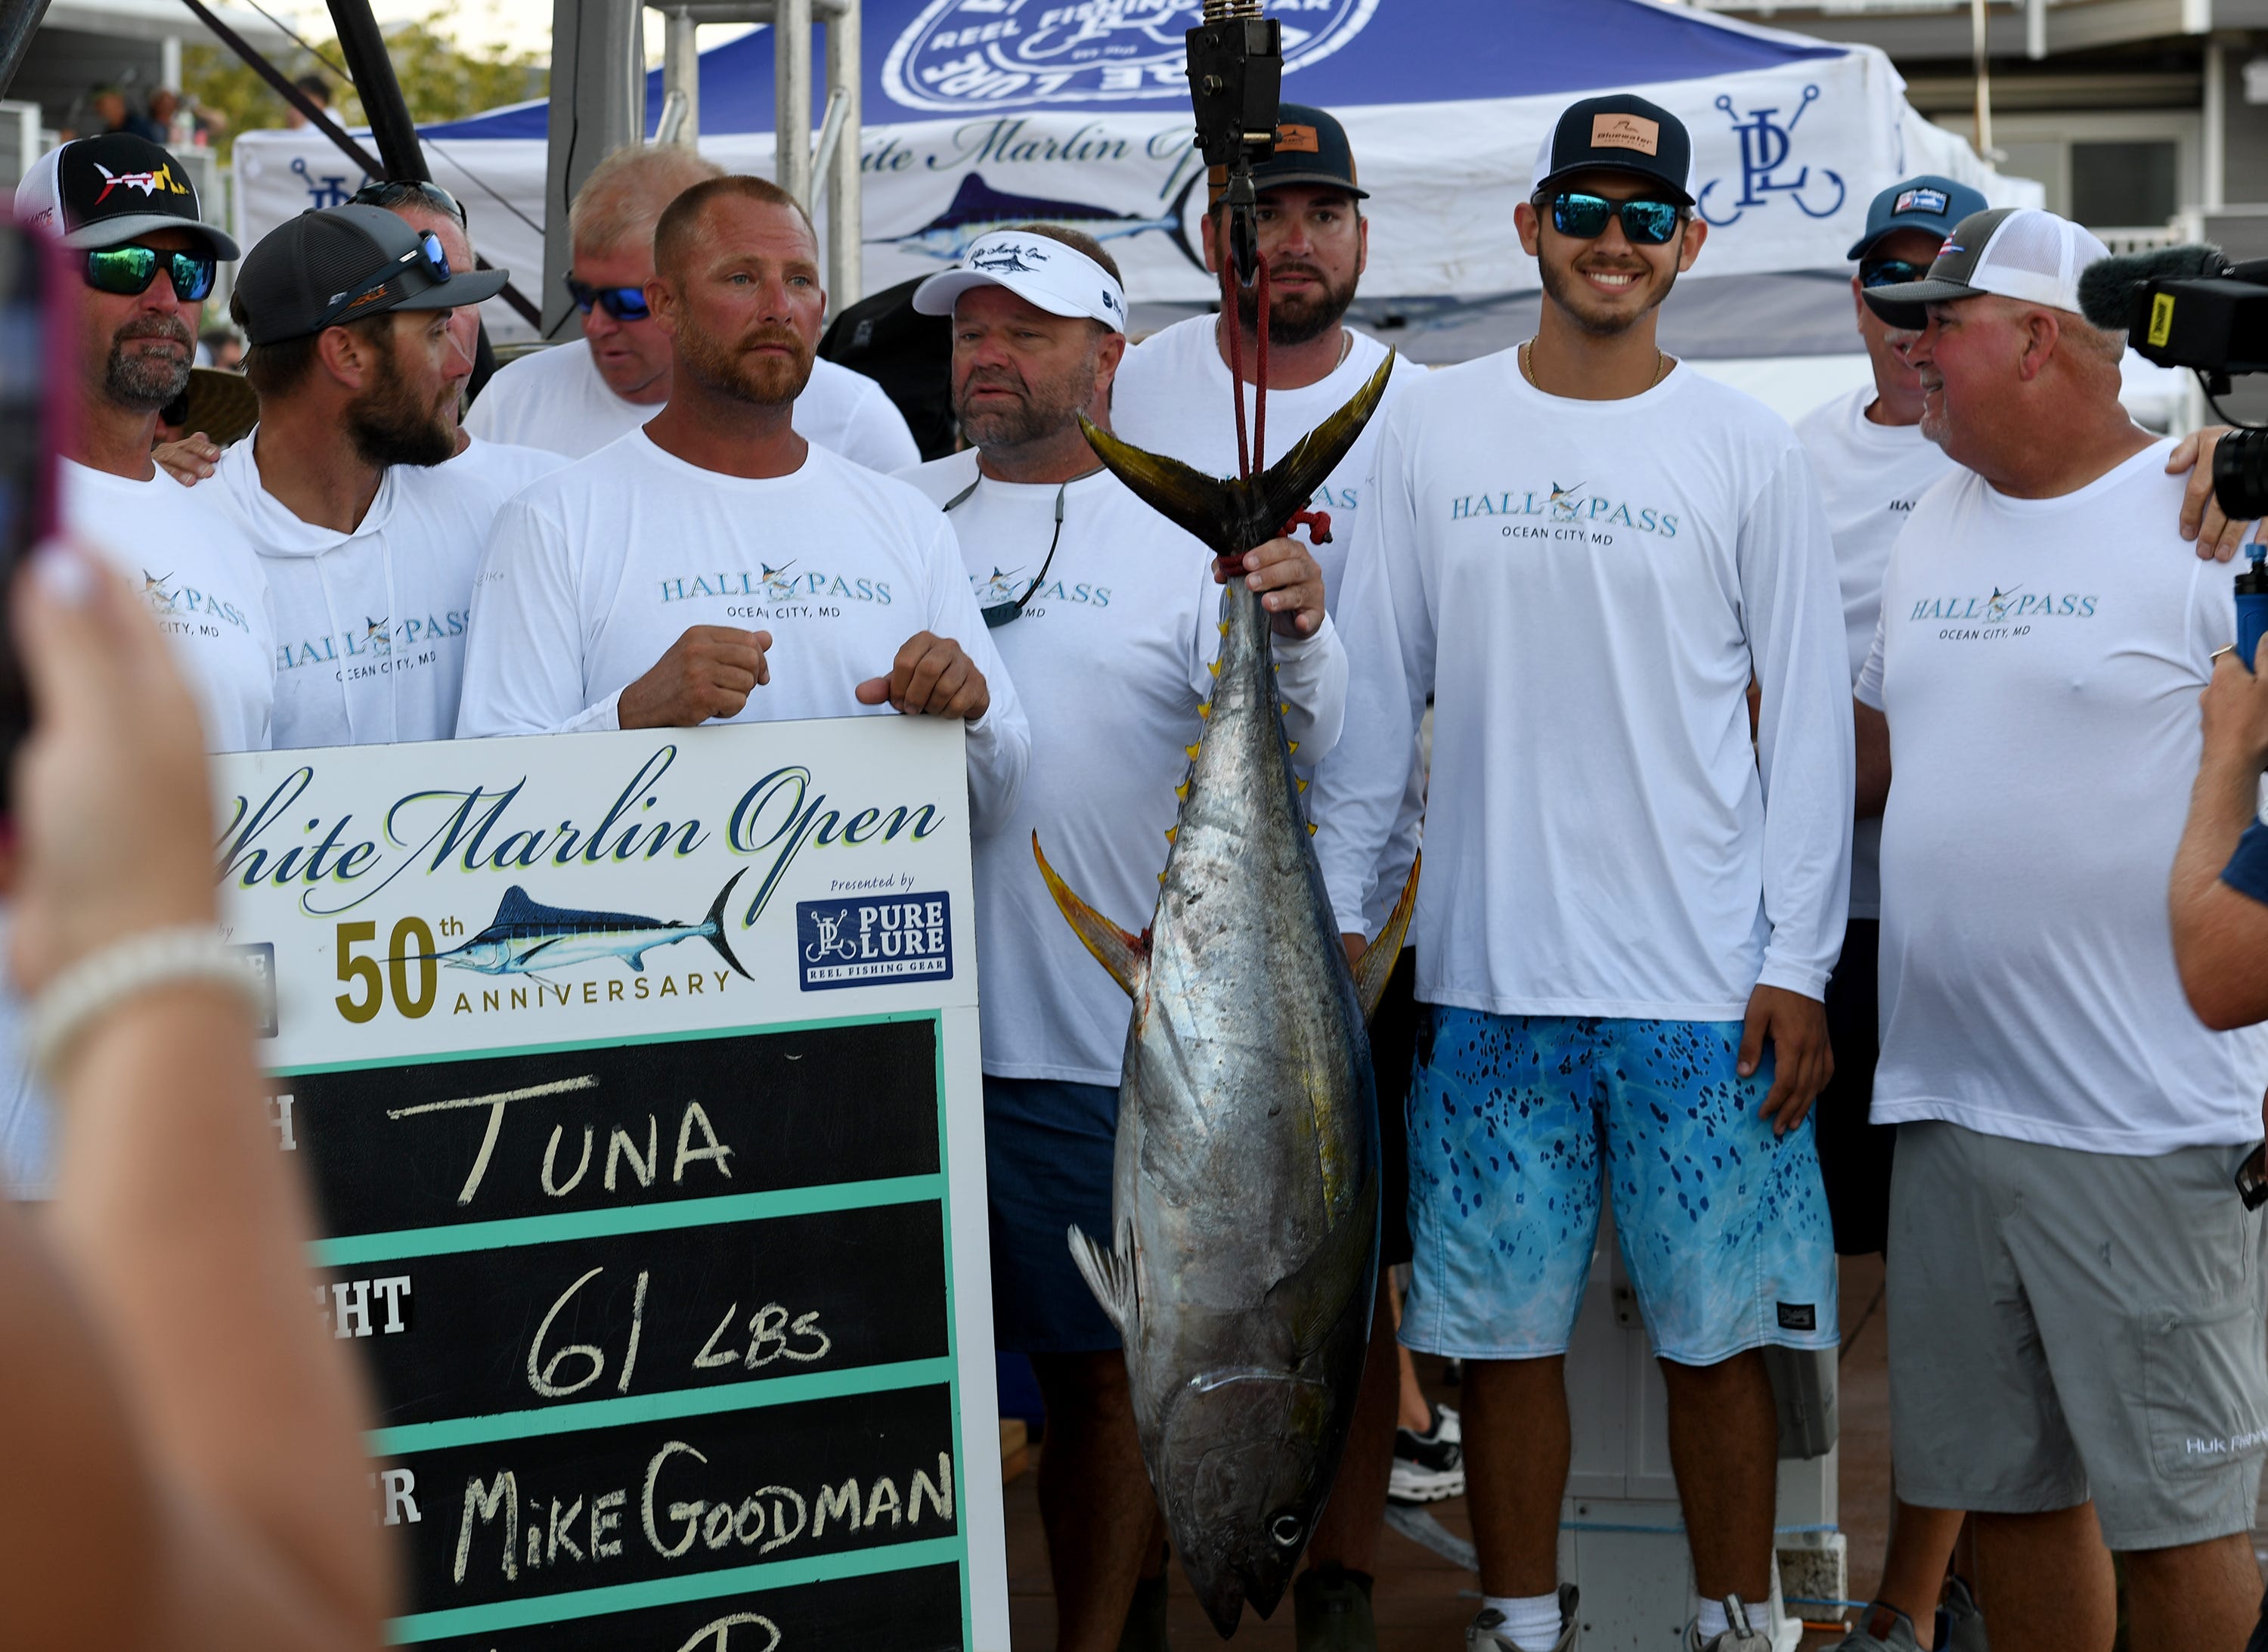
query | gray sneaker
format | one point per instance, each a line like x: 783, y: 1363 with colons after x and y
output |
x: 1964, y: 1623
x: 1739, y: 1636
x: 1485, y: 1633
x: 1881, y: 1629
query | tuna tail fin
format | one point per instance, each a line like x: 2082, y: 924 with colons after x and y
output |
x: 1376, y: 965
x: 1126, y: 956
x: 1205, y: 505
x: 1109, y: 1274
x: 1216, y: 511
x: 713, y: 925
x: 1292, y: 480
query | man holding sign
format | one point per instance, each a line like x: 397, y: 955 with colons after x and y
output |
x: 619, y: 594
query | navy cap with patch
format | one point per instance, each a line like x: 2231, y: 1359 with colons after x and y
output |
x: 1619, y: 133
x: 1928, y: 203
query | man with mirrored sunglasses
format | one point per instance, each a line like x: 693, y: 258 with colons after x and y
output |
x: 1108, y: 615
x: 134, y: 338
x: 1585, y: 551
x: 576, y: 397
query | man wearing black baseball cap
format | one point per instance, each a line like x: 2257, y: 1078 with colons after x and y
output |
x: 144, y: 262
x: 368, y: 539
x: 1173, y: 396
x: 1584, y: 552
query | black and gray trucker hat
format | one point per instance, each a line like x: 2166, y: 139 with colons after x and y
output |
x: 2017, y: 252
x: 323, y: 269
x: 108, y: 190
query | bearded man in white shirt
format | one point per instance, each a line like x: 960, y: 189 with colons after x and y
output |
x: 1112, y: 615
x: 1587, y: 552
x: 610, y: 595
x: 575, y: 398
x: 2075, y: 1293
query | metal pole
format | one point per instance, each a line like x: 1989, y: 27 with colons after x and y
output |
x: 1978, y: 46
x: 383, y: 106
x: 598, y: 105
x: 791, y: 97
x: 681, y: 71
x: 846, y: 193
x: 18, y: 23
x: 2213, y: 186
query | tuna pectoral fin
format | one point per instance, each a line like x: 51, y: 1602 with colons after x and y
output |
x: 713, y: 925
x: 1109, y: 1274
x: 1376, y: 965
x: 1342, y: 1269
x: 1124, y: 956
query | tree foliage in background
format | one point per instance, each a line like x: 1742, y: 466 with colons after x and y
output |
x: 440, y: 78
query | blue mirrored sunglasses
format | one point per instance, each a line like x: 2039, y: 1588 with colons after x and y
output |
x: 1583, y: 217
x: 624, y: 304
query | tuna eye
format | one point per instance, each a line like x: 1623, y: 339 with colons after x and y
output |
x: 1285, y: 1529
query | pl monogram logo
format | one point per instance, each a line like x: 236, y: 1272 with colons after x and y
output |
x: 1764, y: 149
x: 963, y: 56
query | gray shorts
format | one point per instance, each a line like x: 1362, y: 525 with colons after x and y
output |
x: 2065, y: 1324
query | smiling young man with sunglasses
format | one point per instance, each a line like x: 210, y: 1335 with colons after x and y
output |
x: 1585, y: 551
x: 128, y: 219
x: 576, y: 397
x: 1109, y: 616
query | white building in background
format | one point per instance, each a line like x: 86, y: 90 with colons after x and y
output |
x: 2144, y: 119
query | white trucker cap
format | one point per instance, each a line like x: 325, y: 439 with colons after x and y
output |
x: 2017, y: 252
x: 1041, y: 271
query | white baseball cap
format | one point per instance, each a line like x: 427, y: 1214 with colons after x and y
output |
x: 1042, y: 271
x: 2017, y: 252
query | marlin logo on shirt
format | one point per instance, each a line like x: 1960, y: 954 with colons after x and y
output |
x: 999, y: 588
x: 404, y: 643
x: 1996, y: 606
x: 175, y: 604
x: 1564, y: 501
x: 1008, y: 588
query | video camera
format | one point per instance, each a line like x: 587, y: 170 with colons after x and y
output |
x: 1236, y: 83
x: 2190, y: 307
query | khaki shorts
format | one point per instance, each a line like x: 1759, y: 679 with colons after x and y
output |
x: 2065, y: 1325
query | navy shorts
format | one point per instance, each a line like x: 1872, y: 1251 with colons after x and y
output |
x: 1049, y: 1148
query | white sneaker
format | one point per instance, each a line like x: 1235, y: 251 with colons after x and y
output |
x: 1739, y: 1636
x: 1485, y: 1633
x: 1430, y: 1467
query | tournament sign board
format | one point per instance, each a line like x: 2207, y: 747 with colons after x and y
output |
x: 635, y: 1075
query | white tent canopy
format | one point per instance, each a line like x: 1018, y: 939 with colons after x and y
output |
x: 981, y: 111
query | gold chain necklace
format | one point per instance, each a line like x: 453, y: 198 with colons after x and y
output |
x: 1662, y: 365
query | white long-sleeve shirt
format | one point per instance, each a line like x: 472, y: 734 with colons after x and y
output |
x: 595, y: 571
x: 1588, y: 587
x: 1117, y: 645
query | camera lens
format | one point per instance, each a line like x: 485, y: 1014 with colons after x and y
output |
x: 2240, y: 474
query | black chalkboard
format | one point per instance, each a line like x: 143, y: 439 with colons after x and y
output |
x: 661, y: 1336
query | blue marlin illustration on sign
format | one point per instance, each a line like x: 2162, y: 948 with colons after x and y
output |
x: 977, y: 209
x: 528, y: 936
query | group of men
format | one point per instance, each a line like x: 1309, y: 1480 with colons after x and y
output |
x: 1638, y: 604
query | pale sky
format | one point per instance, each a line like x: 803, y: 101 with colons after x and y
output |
x: 516, y: 23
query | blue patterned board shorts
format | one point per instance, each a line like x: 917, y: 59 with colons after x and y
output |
x: 1723, y: 1226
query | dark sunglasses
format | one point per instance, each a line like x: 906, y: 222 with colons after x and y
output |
x: 624, y: 304
x: 400, y: 192
x: 1583, y: 217
x: 129, y: 271
x: 1889, y: 272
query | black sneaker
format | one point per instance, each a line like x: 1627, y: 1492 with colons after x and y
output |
x: 1428, y: 1466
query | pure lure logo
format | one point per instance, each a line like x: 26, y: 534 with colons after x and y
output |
x: 1767, y: 145
x: 871, y: 942
x: 970, y: 56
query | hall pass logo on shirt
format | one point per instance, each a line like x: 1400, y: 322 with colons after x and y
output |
x: 2009, y: 611
x: 1566, y: 504
x: 184, y: 610
x: 871, y: 942
x: 376, y: 645
x: 787, y: 591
